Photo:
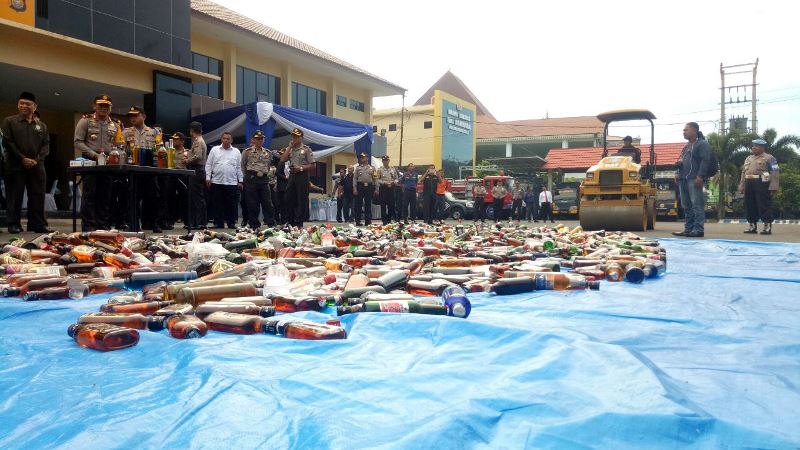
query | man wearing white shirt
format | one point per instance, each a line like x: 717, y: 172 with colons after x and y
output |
x: 224, y: 177
x: 546, y: 205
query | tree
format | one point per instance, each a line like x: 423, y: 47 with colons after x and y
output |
x: 784, y: 149
x: 729, y: 148
x: 786, y: 201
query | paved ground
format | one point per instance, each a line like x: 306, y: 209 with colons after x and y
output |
x: 781, y: 232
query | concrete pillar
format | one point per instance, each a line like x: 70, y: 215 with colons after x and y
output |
x: 286, y: 85
x: 330, y: 107
x: 509, y: 150
x: 229, y: 75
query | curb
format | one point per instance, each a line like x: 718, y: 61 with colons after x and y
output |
x: 774, y: 222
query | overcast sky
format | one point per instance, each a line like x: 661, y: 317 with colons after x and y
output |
x: 570, y: 58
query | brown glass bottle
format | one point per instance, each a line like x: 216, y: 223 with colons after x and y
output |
x: 290, y: 305
x: 172, y: 290
x: 54, y: 293
x: 102, y: 336
x: 127, y: 320
x: 33, y: 285
x: 303, y: 329
x: 234, y: 323
x: 186, y: 327
x: 240, y: 308
x: 199, y: 295
x: 177, y: 309
x: 141, y: 308
x: 258, y: 300
x: 20, y: 279
x: 109, y: 237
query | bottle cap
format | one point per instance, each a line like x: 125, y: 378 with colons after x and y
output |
x: 267, y: 311
x: 593, y: 285
x: 155, y: 323
x: 72, y: 329
x: 10, y: 291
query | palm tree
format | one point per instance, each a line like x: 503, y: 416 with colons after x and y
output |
x: 729, y: 148
x: 783, y: 149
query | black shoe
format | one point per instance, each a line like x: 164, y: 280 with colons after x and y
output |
x: 681, y: 233
x: 696, y: 234
x: 767, y: 229
x: 15, y: 229
x: 752, y: 230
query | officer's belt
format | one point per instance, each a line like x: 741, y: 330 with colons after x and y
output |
x: 752, y: 177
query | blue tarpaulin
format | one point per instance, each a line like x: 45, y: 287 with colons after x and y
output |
x: 707, y: 357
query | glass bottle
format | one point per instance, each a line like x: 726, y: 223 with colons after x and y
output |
x: 139, y: 279
x: 240, y: 308
x: 147, y: 308
x: 431, y: 288
x: 125, y: 297
x: 137, y: 321
x: 461, y: 262
x: 391, y: 280
x: 102, y: 286
x: 172, y: 289
x: 199, y: 295
x: 541, y: 282
x: 175, y: 310
x: 304, y: 329
x: 110, y: 237
x: 102, y: 336
x: 186, y: 327
x: 614, y: 272
x: 257, y: 300
x: 234, y: 323
x: 54, y: 293
x: 654, y: 269
x: 33, y: 285
x: 290, y: 305
x: 396, y: 306
x: 634, y: 274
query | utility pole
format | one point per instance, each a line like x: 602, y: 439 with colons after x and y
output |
x: 726, y: 96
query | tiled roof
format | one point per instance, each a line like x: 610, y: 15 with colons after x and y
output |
x: 490, y: 129
x: 454, y: 86
x: 231, y: 17
x: 583, y: 158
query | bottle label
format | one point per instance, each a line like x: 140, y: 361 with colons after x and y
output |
x: 542, y: 283
x: 399, y: 306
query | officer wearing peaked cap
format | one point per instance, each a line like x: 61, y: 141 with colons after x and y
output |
x: 758, y: 181
x: 298, y: 162
x: 257, y: 165
x: 97, y: 134
x: 387, y: 180
x: 363, y: 189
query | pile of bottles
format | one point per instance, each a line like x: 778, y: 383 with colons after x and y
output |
x: 245, y: 282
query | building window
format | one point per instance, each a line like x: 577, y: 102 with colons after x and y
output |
x: 427, y: 124
x: 374, y: 128
x: 308, y: 99
x: 392, y: 127
x: 253, y: 86
x: 357, y: 105
x: 209, y: 65
x: 341, y: 101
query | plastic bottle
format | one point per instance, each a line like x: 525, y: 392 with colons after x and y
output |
x: 234, y: 323
x: 137, y: 321
x: 186, y: 327
x: 303, y: 329
x: 277, y: 280
x: 240, y: 308
x: 102, y: 336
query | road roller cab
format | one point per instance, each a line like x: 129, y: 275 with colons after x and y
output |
x: 617, y: 193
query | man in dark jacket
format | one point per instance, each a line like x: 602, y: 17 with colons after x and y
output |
x: 429, y: 182
x: 690, y: 176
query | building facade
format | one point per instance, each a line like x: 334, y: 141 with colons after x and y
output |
x: 176, y: 58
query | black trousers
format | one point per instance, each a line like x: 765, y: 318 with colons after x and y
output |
x: 198, y: 215
x: 480, y: 209
x: 259, y: 202
x: 297, y: 198
x: 409, y: 209
x: 95, y: 202
x: 245, y: 207
x: 348, y: 207
x: 386, y: 196
x: 533, y: 210
x: 517, y: 210
x: 152, y: 202
x: 429, y: 202
x: 341, y: 215
x: 758, y: 200
x: 498, y: 209
x: 546, y: 211
x: 33, y: 180
x: 225, y: 199
x: 275, y: 196
x: 363, y: 205
x: 178, y: 199
x: 120, y: 214
x: 398, y: 201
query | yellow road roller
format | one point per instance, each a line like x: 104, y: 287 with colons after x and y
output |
x: 617, y: 193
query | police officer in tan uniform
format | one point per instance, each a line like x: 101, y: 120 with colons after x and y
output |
x: 387, y: 180
x: 94, y: 135
x: 298, y: 162
x: 758, y: 181
x: 257, y: 164
x: 363, y: 188
x: 139, y: 135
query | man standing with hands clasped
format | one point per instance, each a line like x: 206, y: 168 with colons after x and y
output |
x: 758, y: 181
x: 27, y: 144
x: 224, y: 178
x: 299, y: 159
x: 692, y: 168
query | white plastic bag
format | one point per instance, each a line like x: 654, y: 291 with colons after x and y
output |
x: 198, y: 249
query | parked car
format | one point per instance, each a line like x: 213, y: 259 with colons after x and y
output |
x: 453, y: 208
